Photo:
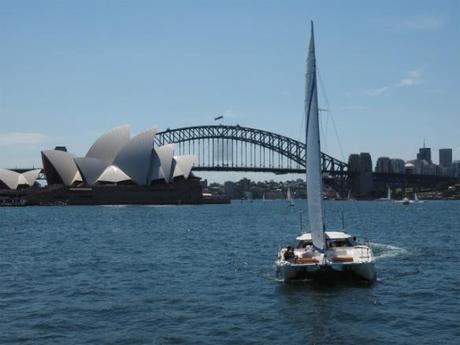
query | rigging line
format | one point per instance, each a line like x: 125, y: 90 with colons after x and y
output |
x: 323, y: 134
x: 326, y: 99
x: 323, y: 119
x: 302, y: 129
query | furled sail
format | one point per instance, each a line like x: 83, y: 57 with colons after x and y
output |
x: 313, y: 159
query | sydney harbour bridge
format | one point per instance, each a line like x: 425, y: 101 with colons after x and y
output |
x: 244, y: 149
x: 236, y: 148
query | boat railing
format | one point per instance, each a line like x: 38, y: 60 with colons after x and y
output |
x: 365, y: 252
x: 365, y: 247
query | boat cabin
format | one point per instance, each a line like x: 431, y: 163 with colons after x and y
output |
x: 334, y: 239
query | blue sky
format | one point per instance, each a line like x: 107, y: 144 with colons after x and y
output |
x: 71, y: 70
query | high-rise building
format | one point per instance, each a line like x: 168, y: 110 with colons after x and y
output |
x: 424, y: 153
x: 397, y: 166
x: 383, y: 165
x: 229, y: 188
x: 353, y: 163
x: 365, y: 172
x: 456, y: 168
x: 445, y: 157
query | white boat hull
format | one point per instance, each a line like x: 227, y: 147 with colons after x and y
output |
x: 286, y: 271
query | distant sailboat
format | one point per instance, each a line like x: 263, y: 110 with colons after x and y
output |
x: 388, y: 198
x: 263, y: 197
x: 349, y: 197
x: 417, y: 200
x: 289, y: 198
x: 320, y: 253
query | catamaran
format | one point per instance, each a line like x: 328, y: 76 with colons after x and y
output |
x: 289, y: 197
x: 320, y: 253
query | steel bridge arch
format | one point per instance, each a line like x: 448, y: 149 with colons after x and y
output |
x: 293, y: 150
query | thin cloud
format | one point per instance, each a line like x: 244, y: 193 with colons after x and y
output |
x: 416, y: 24
x: 229, y: 113
x: 376, y: 92
x: 412, y: 78
x: 22, y: 139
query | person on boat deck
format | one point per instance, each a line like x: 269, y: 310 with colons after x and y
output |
x: 289, y: 253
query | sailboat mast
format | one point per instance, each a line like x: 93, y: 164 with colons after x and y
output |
x: 313, y: 151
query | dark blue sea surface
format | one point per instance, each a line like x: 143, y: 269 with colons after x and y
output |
x: 204, y: 275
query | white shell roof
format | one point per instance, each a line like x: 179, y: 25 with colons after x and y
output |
x: 113, y: 174
x: 22, y: 180
x: 183, y: 165
x: 31, y: 176
x: 108, y: 145
x: 90, y: 168
x: 162, y: 162
x: 135, y: 157
x: 13, y: 179
x: 10, y: 178
x: 332, y: 235
x: 77, y: 177
x: 64, y: 164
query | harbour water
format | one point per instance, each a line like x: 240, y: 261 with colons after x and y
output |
x: 204, y: 275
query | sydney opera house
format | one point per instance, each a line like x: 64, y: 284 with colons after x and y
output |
x: 12, y: 180
x: 117, y: 169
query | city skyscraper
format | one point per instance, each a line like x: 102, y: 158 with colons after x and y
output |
x: 424, y: 153
x: 445, y: 157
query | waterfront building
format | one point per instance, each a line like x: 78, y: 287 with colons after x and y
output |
x: 361, y: 167
x: 244, y: 185
x: 445, y: 157
x: 229, y: 189
x: 397, y: 166
x: 456, y: 168
x: 383, y: 165
x: 409, y: 168
x: 366, y: 177
x: 204, y: 184
x: 116, y: 158
x: 353, y: 163
x: 10, y: 179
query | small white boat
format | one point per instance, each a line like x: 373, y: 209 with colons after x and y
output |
x: 406, y: 201
x: 289, y: 198
x: 417, y: 200
x: 388, y: 198
x: 263, y: 197
x: 320, y: 253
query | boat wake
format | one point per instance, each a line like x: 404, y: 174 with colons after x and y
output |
x: 383, y: 251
